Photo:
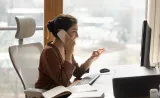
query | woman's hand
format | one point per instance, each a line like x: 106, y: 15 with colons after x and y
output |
x: 95, y: 55
x: 69, y: 48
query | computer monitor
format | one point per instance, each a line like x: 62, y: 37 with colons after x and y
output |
x: 145, y: 44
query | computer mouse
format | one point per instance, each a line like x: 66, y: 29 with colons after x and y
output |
x: 104, y: 70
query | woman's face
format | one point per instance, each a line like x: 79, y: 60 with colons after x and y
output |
x: 73, y: 32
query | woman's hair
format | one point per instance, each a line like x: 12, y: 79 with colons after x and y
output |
x: 63, y: 21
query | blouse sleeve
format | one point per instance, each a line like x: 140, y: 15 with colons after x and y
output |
x: 61, y: 73
x: 79, y: 71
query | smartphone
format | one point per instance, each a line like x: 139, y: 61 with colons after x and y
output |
x: 64, y: 37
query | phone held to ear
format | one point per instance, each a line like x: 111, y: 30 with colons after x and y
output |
x: 64, y: 37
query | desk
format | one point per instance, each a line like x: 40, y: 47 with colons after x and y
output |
x: 104, y: 82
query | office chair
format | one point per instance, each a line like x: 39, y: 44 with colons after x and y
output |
x: 25, y: 57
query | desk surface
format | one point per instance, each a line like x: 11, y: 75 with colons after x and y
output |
x: 104, y: 82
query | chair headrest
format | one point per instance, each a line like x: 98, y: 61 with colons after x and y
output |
x: 26, y: 26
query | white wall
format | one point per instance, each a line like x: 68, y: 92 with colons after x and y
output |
x: 153, y: 18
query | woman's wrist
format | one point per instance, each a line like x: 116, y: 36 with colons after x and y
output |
x: 68, y: 58
x: 90, y: 59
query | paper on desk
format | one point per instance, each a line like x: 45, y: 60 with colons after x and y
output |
x: 88, y: 95
x: 81, y: 88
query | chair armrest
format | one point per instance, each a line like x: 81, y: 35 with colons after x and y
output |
x: 33, y: 92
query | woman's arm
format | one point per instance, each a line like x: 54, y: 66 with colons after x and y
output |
x: 79, y: 71
x: 60, y: 72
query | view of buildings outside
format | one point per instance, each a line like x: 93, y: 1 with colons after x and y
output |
x: 115, y: 25
x: 111, y: 24
x: 10, y: 85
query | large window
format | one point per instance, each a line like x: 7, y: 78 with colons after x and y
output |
x: 115, y: 25
x: 10, y: 85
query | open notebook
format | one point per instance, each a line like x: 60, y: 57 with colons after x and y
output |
x: 87, y: 95
x: 72, y: 91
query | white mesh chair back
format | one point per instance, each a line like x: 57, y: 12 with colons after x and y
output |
x: 25, y: 59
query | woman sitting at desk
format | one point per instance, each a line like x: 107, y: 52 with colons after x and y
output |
x: 57, y: 63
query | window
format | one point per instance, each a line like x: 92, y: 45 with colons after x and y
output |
x: 10, y: 84
x: 111, y: 24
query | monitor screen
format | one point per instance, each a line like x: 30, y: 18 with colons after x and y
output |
x: 145, y: 44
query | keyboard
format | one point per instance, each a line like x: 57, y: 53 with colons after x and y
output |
x: 90, y: 79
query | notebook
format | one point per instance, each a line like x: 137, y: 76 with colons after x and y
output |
x: 61, y: 91
x: 87, y: 95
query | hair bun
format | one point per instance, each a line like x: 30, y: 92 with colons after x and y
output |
x: 50, y: 26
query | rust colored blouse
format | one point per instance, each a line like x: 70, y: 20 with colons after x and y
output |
x: 53, y: 71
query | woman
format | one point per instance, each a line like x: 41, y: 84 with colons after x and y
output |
x: 57, y: 64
